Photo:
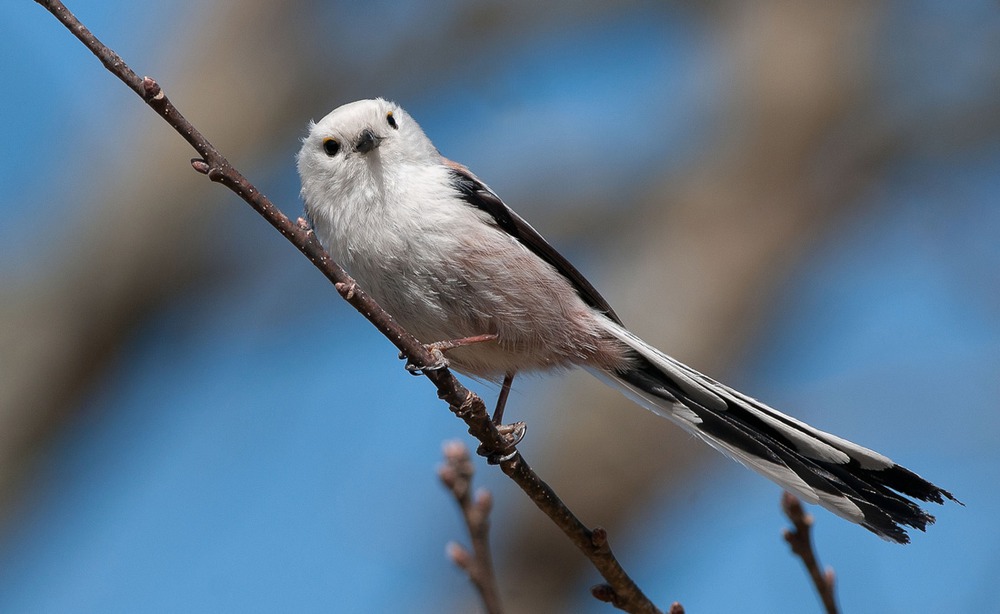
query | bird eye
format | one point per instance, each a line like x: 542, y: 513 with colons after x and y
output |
x: 392, y: 120
x: 331, y: 146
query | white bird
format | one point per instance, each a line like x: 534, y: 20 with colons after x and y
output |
x: 439, y: 250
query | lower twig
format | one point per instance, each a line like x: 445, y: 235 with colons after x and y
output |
x: 799, y: 537
x: 456, y: 474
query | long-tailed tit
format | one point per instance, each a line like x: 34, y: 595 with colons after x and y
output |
x: 439, y: 250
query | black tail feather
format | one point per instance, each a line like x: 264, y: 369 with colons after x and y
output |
x: 856, y: 489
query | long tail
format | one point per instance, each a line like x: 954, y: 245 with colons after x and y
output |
x: 851, y: 481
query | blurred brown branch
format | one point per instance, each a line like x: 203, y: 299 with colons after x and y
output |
x: 621, y: 590
x: 799, y: 537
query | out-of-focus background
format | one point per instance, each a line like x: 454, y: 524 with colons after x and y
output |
x: 801, y: 199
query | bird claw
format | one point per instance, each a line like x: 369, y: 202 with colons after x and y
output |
x: 439, y: 362
x: 512, y: 435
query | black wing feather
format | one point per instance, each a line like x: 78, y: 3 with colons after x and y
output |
x: 477, y: 194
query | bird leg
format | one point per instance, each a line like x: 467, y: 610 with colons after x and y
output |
x: 508, y: 380
x: 512, y: 433
x: 438, y: 348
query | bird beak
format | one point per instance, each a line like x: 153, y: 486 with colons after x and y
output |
x: 367, y: 141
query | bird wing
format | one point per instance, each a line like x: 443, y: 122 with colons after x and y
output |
x: 476, y: 193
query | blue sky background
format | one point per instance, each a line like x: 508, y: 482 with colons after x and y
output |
x: 216, y: 467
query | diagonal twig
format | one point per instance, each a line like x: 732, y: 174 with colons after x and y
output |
x: 620, y: 589
x: 799, y: 537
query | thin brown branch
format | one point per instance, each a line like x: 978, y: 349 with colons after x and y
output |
x: 457, y: 474
x: 799, y: 537
x: 621, y: 589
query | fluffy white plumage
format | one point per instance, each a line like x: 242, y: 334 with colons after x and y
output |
x: 443, y: 254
